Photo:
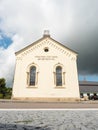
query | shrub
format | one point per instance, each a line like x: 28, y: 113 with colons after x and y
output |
x: 7, y: 97
x: 1, y: 96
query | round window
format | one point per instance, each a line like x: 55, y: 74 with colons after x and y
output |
x: 46, y: 49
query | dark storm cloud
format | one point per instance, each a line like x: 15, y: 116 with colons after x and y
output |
x: 88, y: 55
x: 83, y: 35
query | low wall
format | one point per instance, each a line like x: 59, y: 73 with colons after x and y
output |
x: 43, y: 99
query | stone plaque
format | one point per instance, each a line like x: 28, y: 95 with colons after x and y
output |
x: 46, y: 57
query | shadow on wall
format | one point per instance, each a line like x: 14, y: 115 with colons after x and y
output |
x: 17, y: 126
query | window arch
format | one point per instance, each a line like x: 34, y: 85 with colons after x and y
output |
x: 58, y: 76
x: 32, y: 76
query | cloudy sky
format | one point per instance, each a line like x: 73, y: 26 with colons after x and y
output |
x: 74, y: 23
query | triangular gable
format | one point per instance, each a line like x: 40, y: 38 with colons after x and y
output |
x: 63, y: 46
x: 43, y: 38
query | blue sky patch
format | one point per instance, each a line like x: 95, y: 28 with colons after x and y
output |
x: 88, y: 77
x: 5, y: 41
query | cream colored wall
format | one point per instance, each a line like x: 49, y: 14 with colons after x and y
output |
x: 45, y: 86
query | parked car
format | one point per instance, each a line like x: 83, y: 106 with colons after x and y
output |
x: 93, y: 97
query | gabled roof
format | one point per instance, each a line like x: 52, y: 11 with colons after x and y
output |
x: 41, y: 39
x: 88, y: 83
x: 88, y: 87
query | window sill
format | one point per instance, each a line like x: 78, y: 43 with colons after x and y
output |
x: 32, y: 87
x: 59, y: 87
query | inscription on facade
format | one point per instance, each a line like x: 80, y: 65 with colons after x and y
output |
x: 46, y: 57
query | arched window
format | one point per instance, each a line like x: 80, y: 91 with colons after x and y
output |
x: 58, y: 76
x: 32, y: 75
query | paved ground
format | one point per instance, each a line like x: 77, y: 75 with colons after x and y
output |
x: 6, y: 104
x: 49, y: 120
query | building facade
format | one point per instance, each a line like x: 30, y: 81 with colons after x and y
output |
x: 88, y: 88
x: 46, y: 70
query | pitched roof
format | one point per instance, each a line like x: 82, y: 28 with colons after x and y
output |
x: 88, y: 83
x: 88, y: 87
x: 44, y: 37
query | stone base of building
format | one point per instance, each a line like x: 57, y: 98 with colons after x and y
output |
x: 43, y: 99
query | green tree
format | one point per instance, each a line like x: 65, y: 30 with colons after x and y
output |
x: 3, y: 87
x: 5, y: 92
x: 8, y: 93
x: 2, y: 83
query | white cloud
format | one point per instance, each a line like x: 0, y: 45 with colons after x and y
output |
x: 28, y: 18
x: 7, y: 59
x: 24, y: 21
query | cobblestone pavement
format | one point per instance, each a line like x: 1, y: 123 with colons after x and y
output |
x: 49, y: 120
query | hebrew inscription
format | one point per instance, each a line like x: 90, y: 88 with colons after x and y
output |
x: 46, y: 57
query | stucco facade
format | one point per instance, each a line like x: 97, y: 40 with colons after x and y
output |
x: 46, y: 54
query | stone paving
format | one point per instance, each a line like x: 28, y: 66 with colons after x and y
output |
x: 49, y: 120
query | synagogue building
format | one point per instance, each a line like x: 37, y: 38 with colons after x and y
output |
x: 46, y: 70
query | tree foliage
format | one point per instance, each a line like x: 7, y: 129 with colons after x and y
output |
x: 2, y: 83
x: 5, y: 92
